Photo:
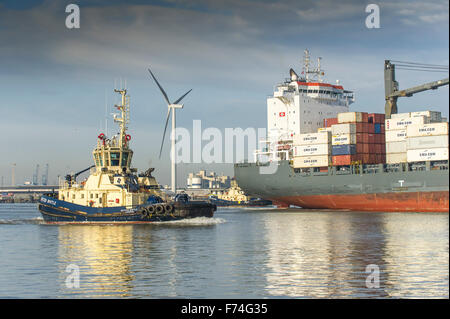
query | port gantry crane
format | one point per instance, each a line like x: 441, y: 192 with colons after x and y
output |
x: 392, y: 93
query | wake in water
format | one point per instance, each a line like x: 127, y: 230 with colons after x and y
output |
x: 29, y: 221
x: 198, y: 221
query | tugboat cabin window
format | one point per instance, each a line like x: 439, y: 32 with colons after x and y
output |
x: 124, y: 158
x: 115, y: 159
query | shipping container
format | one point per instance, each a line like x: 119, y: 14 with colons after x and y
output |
x: 377, y: 128
x: 400, y: 115
x: 314, y: 149
x: 369, y: 128
x: 376, y: 118
x: 324, y: 129
x: 350, y: 117
x: 362, y: 148
x: 348, y: 149
x: 348, y: 128
x: 311, y: 161
x: 392, y: 158
x: 312, y: 138
x: 371, y: 138
x: 379, y: 139
x: 439, y: 141
x: 342, y: 139
x: 362, y: 138
x: 330, y: 121
x: 427, y: 129
x: 431, y: 154
x: 395, y: 136
x: 433, y: 116
x: 401, y: 124
x: 396, y: 147
x: 379, y: 148
x: 344, y: 159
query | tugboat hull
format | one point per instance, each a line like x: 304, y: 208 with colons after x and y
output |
x: 57, y: 211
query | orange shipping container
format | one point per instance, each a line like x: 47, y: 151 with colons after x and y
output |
x: 344, y: 159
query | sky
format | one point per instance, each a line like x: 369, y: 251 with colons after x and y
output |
x: 57, y: 83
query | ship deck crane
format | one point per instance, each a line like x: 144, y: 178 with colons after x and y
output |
x: 73, y: 178
x: 392, y: 93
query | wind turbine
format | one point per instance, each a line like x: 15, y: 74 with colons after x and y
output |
x: 171, y: 107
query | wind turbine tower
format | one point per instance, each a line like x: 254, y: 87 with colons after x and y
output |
x: 171, y: 107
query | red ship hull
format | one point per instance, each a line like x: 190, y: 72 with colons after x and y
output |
x: 437, y: 201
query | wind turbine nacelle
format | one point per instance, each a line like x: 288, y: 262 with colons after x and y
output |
x: 176, y: 106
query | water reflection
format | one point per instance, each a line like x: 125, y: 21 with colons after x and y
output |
x: 103, y: 254
x: 326, y: 254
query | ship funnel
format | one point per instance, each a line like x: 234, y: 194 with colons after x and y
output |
x: 294, y: 75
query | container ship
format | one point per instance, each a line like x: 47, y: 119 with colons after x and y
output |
x: 114, y: 192
x: 319, y: 155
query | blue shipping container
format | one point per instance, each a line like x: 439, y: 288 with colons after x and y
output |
x: 348, y: 149
x: 377, y: 128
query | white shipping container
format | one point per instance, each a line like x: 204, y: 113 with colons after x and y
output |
x: 313, y: 138
x: 429, y: 154
x: 433, y: 116
x: 401, y: 124
x: 347, y: 128
x: 395, y: 135
x: 313, y: 149
x: 432, y: 129
x: 439, y: 141
x: 349, y: 117
x: 393, y: 158
x: 324, y: 129
x: 311, y: 161
x: 396, y: 147
x: 343, y: 139
x: 400, y: 115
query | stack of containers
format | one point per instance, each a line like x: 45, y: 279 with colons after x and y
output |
x: 378, y: 150
x: 350, y: 139
x: 312, y: 150
x: 427, y: 142
x: 432, y: 116
x: 396, y: 127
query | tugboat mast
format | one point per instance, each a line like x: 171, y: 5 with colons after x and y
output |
x: 125, y: 119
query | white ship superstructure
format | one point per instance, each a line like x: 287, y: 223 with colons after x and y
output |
x: 299, y: 105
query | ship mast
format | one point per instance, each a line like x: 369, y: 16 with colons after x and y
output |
x: 124, y: 107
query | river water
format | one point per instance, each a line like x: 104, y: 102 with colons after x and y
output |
x: 240, y: 253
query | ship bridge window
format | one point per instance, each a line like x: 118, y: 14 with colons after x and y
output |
x: 124, y: 158
x: 115, y: 159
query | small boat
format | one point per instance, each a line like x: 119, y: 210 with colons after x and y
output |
x: 113, y: 192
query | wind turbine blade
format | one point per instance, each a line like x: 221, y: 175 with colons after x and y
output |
x: 160, y: 87
x: 164, y: 134
x: 176, y: 102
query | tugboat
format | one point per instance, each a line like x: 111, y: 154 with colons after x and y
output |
x: 113, y: 193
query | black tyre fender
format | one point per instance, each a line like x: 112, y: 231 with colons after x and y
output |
x: 159, y: 209
x: 143, y: 212
x: 168, y: 208
x: 151, y: 209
